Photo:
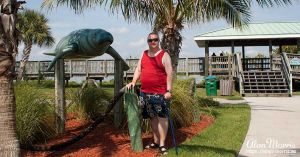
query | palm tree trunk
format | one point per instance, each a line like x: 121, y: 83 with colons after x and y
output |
x: 23, y: 61
x: 171, y: 42
x: 9, y: 144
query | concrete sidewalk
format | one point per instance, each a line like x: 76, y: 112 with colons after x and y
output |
x: 274, y: 127
x: 225, y: 101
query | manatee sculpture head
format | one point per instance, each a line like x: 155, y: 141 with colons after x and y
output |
x: 83, y: 43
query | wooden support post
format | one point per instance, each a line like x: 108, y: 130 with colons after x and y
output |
x: 86, y: 70
x: 206, y: 65
x: 60, y: 97
x: 270, y: 54
x: 280, y: 49
x: 70, y: 64
x: 187, y: 66
x: 244, y: 56
x: 298, y: 46
x: 105, y: 68
x: 229, y: 60
x: 209, y: 64
x: 118, y: 78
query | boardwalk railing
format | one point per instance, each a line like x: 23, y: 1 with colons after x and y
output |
x: 259, y: 64
x: 104, y: 68
x: 218, y: 65
x: 290, y: 57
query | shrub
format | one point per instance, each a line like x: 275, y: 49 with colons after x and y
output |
x: 73, y: 84
x: 90, y: 102
x: 44, y: 83
x: 33, y: 114
x: 183, y: 104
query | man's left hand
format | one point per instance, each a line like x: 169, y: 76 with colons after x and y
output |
x: 167, y: 95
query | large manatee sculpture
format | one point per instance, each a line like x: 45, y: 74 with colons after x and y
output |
x: 85, y: 43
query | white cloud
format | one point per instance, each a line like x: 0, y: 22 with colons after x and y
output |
x: 37, y: 54
x: 119, y: 30
x: 60, y: 25
x: 139, y: 43
x: 185, y: 45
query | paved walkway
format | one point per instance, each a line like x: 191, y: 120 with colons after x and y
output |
x: 274, y: 127
x: 225, y: 101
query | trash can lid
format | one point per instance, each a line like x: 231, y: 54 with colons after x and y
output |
x: 210, y: 77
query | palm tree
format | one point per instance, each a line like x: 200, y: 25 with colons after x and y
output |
x: 286, y: 48
x: 169, y: 16
x: 9, y: 143
x: 174, y: 14
x: 34, y: 30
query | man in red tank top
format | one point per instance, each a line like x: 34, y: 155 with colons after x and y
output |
x: 155, y: 72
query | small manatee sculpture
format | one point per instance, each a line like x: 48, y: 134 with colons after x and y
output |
x: 85, y: 43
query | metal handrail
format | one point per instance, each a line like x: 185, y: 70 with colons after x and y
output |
x: 239, y: 72
x: 286, y: 68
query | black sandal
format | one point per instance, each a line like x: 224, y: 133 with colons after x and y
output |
x: 163, y: 150
x: 152, y: 146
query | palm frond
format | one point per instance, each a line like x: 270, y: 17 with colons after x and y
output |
x: 34, y: 28
x: 77, y: 5
x: 271, y: 3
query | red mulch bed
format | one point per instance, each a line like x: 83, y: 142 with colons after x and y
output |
x: 107, y: 140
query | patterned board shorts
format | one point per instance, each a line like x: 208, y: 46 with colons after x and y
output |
x: 154, y: 105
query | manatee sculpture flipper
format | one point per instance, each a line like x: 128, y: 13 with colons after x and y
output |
x: 68, y: 50
x: 50, y: 54
x: 111, y: 51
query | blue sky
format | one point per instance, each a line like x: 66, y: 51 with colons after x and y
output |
x: 130, y: 39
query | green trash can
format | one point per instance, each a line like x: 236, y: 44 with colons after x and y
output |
x: 211, y: 85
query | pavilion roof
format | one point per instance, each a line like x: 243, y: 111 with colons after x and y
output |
x: 254, y: 34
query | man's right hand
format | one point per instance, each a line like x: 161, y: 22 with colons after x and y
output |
x: 130, y: 85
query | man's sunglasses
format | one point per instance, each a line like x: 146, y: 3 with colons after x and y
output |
x: 150, y: 40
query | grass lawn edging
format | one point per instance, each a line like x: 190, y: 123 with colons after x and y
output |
x: 223, y: 138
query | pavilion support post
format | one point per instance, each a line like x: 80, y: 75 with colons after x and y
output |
x: 270, y: 54
x: 229, y: 60
x: 280, y: 49
x: 206, y: 64
x: 298, y: 46
x: 244, y: 56
x: 60, y: 97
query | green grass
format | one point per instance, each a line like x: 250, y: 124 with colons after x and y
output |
x: 109, y: 91
x: 224, y: 138
x: 34, y: 114
x: 236, y: 95
x: 296, y: 93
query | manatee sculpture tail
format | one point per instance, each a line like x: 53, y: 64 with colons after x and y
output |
x: 82, y: 134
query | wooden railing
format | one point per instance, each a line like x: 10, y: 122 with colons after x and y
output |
x: 295, y: 68
x: 290, y: 56
x: 219, y: 65
x: 104, y: 68
x: 259, y: 64
x: 276, y: 62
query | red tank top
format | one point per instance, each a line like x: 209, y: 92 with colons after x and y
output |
x: 153, y: 74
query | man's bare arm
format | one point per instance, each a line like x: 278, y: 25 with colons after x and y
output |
x: 136, y: 75
x: 168, y: 68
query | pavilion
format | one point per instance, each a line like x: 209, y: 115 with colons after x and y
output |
x: 254, y: 34
x: 267, y: 76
